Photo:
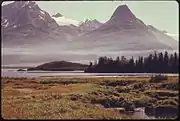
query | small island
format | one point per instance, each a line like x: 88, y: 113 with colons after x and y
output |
x: 59, y: 66
x: 21, y: 70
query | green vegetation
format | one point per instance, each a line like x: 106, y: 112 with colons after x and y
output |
x: 59, y: 66
x: 154, y: 63
x: 88, y: 98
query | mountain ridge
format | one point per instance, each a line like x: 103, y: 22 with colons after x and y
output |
x: 32, y: 24
x: 126, y: 30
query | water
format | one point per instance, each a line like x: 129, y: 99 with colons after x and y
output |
x: 14, y: 73
x: 139, y: 113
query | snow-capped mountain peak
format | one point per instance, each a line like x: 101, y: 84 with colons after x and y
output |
x: 22, y: 13
x: 89, y: 25
x: 22, y: 4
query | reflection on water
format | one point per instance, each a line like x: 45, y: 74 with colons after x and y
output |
x: 140, y: 114
x: 15, y: 73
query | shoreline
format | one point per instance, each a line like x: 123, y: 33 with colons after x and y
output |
x: 81, y: 76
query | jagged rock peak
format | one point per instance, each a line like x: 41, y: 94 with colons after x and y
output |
x: 23, y: 13
x: 123, y: 13
x: 57, y: 15
x: 91, y: 21
x: 89, y: 25
x: 24, y: 3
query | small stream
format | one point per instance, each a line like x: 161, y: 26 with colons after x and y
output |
x: 139, y: 113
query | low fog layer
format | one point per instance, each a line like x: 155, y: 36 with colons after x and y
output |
x: 34, y: 55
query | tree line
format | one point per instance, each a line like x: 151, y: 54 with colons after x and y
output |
x: 154, y: 63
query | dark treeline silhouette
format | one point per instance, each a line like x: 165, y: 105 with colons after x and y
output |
x: 154, y: 63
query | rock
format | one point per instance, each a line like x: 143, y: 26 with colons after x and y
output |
x: 57, y: 15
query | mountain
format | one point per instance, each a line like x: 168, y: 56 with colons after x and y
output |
x: 23, y: 22
x: 31, y: 36
x: 89, y: 25
x: 23, y: 13
x: 59, y: 66
x: 124, y: 31
x: 57, y: 15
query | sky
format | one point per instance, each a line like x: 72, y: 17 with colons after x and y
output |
x: 163, y: 15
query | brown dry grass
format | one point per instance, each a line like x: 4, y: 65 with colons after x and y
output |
x: 31, y: 98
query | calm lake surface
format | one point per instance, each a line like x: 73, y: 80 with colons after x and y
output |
x: 14, y: 73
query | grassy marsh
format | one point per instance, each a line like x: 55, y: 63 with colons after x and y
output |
x: 86, y: 98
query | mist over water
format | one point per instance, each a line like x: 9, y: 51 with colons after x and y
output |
x: 25, y: 55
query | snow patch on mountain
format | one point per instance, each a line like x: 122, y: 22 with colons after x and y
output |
x: 6, y: 2
x: 65, y: 21
x: 7, y: 23
x: 42, y: 12
x: 175, y: 36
